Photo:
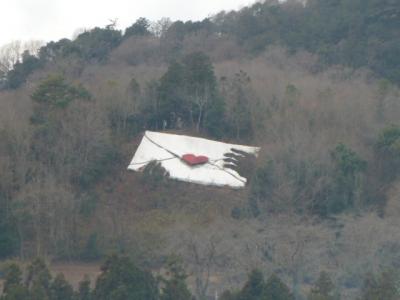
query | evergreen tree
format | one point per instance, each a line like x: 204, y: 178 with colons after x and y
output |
x: 188, y: 92
x: 172, y: 103
x: 97, y: 43
x: 13, y: 289
x: 51, y: 98
x: 323, y: 289
x: 175, y: 287
x: 276, y: 289
x: 239, y: 93
x: 139, y: 28
x: 346, y: 184
x: 387, y: 151
x: 206, y: 107
x: 254, y: 288
x: 60, y: 289
x: 8, y: 232
x: 84, y: 292
x: 384, y: 286
x: 17, y: 292
x: 13, y: 277
x: 39, y: 280
x: 121, y: 279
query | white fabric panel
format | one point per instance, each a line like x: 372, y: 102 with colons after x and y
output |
x: 155, y: 146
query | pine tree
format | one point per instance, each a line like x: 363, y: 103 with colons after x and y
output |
x: 60, y: 289
x: 122, y: 279
x: 38, y: 280
x: 254, y: 288
x: 84, y: 292
x: 13, y: 288
x: 276, y: 289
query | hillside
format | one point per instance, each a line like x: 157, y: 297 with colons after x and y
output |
x: 323, y: 193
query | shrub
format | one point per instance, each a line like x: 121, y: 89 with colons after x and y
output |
x: 388, y: 152
x: 154, y: 175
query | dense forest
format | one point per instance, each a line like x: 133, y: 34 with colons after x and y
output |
x: 314, y: 83
x: 121, y: 279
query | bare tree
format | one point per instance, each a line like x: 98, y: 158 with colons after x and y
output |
x: 10, y: 54
x: 202, y: 259
x: 33, y: 46
x: 201, y: 99
x: 160, y: 27
x: 113, y: 24
x: 77, y: 32
x: 45, y: 209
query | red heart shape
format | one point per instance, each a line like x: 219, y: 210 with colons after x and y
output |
x: 193, y: 160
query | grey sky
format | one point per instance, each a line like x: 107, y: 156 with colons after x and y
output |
x: 54, y: 19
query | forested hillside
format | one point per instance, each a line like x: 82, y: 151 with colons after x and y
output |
x: 314, y: 84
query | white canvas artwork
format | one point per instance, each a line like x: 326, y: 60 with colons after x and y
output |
x: 190, y: 159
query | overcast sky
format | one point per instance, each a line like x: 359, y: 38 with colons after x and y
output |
x: 55, y: 19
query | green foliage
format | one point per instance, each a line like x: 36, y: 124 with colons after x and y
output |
x: 257, y: 289
x: 254, y: 288
x: 38, y: 286
x: 39, y: 280
x: 172, y: 39
x: 104, y: 158
x: 237, y: 92
x: 154, y: 175
x: 9, y: 241
x: 388, y: 152
x: 96, y: 44
x: 92, y: 45
x: 19, y: 74
x: 84, y: 292
x: 53, y: 99
x: 175, y: 287
x: 346, y: 182
x: 239, y: 213
x: 323, y: 289
x: 17, y: 292
x: 352, y: 33
x: 149, y: 106
x: 214, y: 118
x: 128, y: 123
x: 91, y: 251
x: 121, y: 279
x: 188, y: 95
x: 199, y: 74
x: 139, y: 28
x: 52, y: 96
x: 384, y: 286
x: 63, y: 48
x: 60, y: 289
x: 292, y: 94
x: 347, y: 162
x: 171, y: 96
x: 88, y: 204
x: 55, y: 92
x: 13, y: 278
x: 276, y: 289
x: 206, y: 108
